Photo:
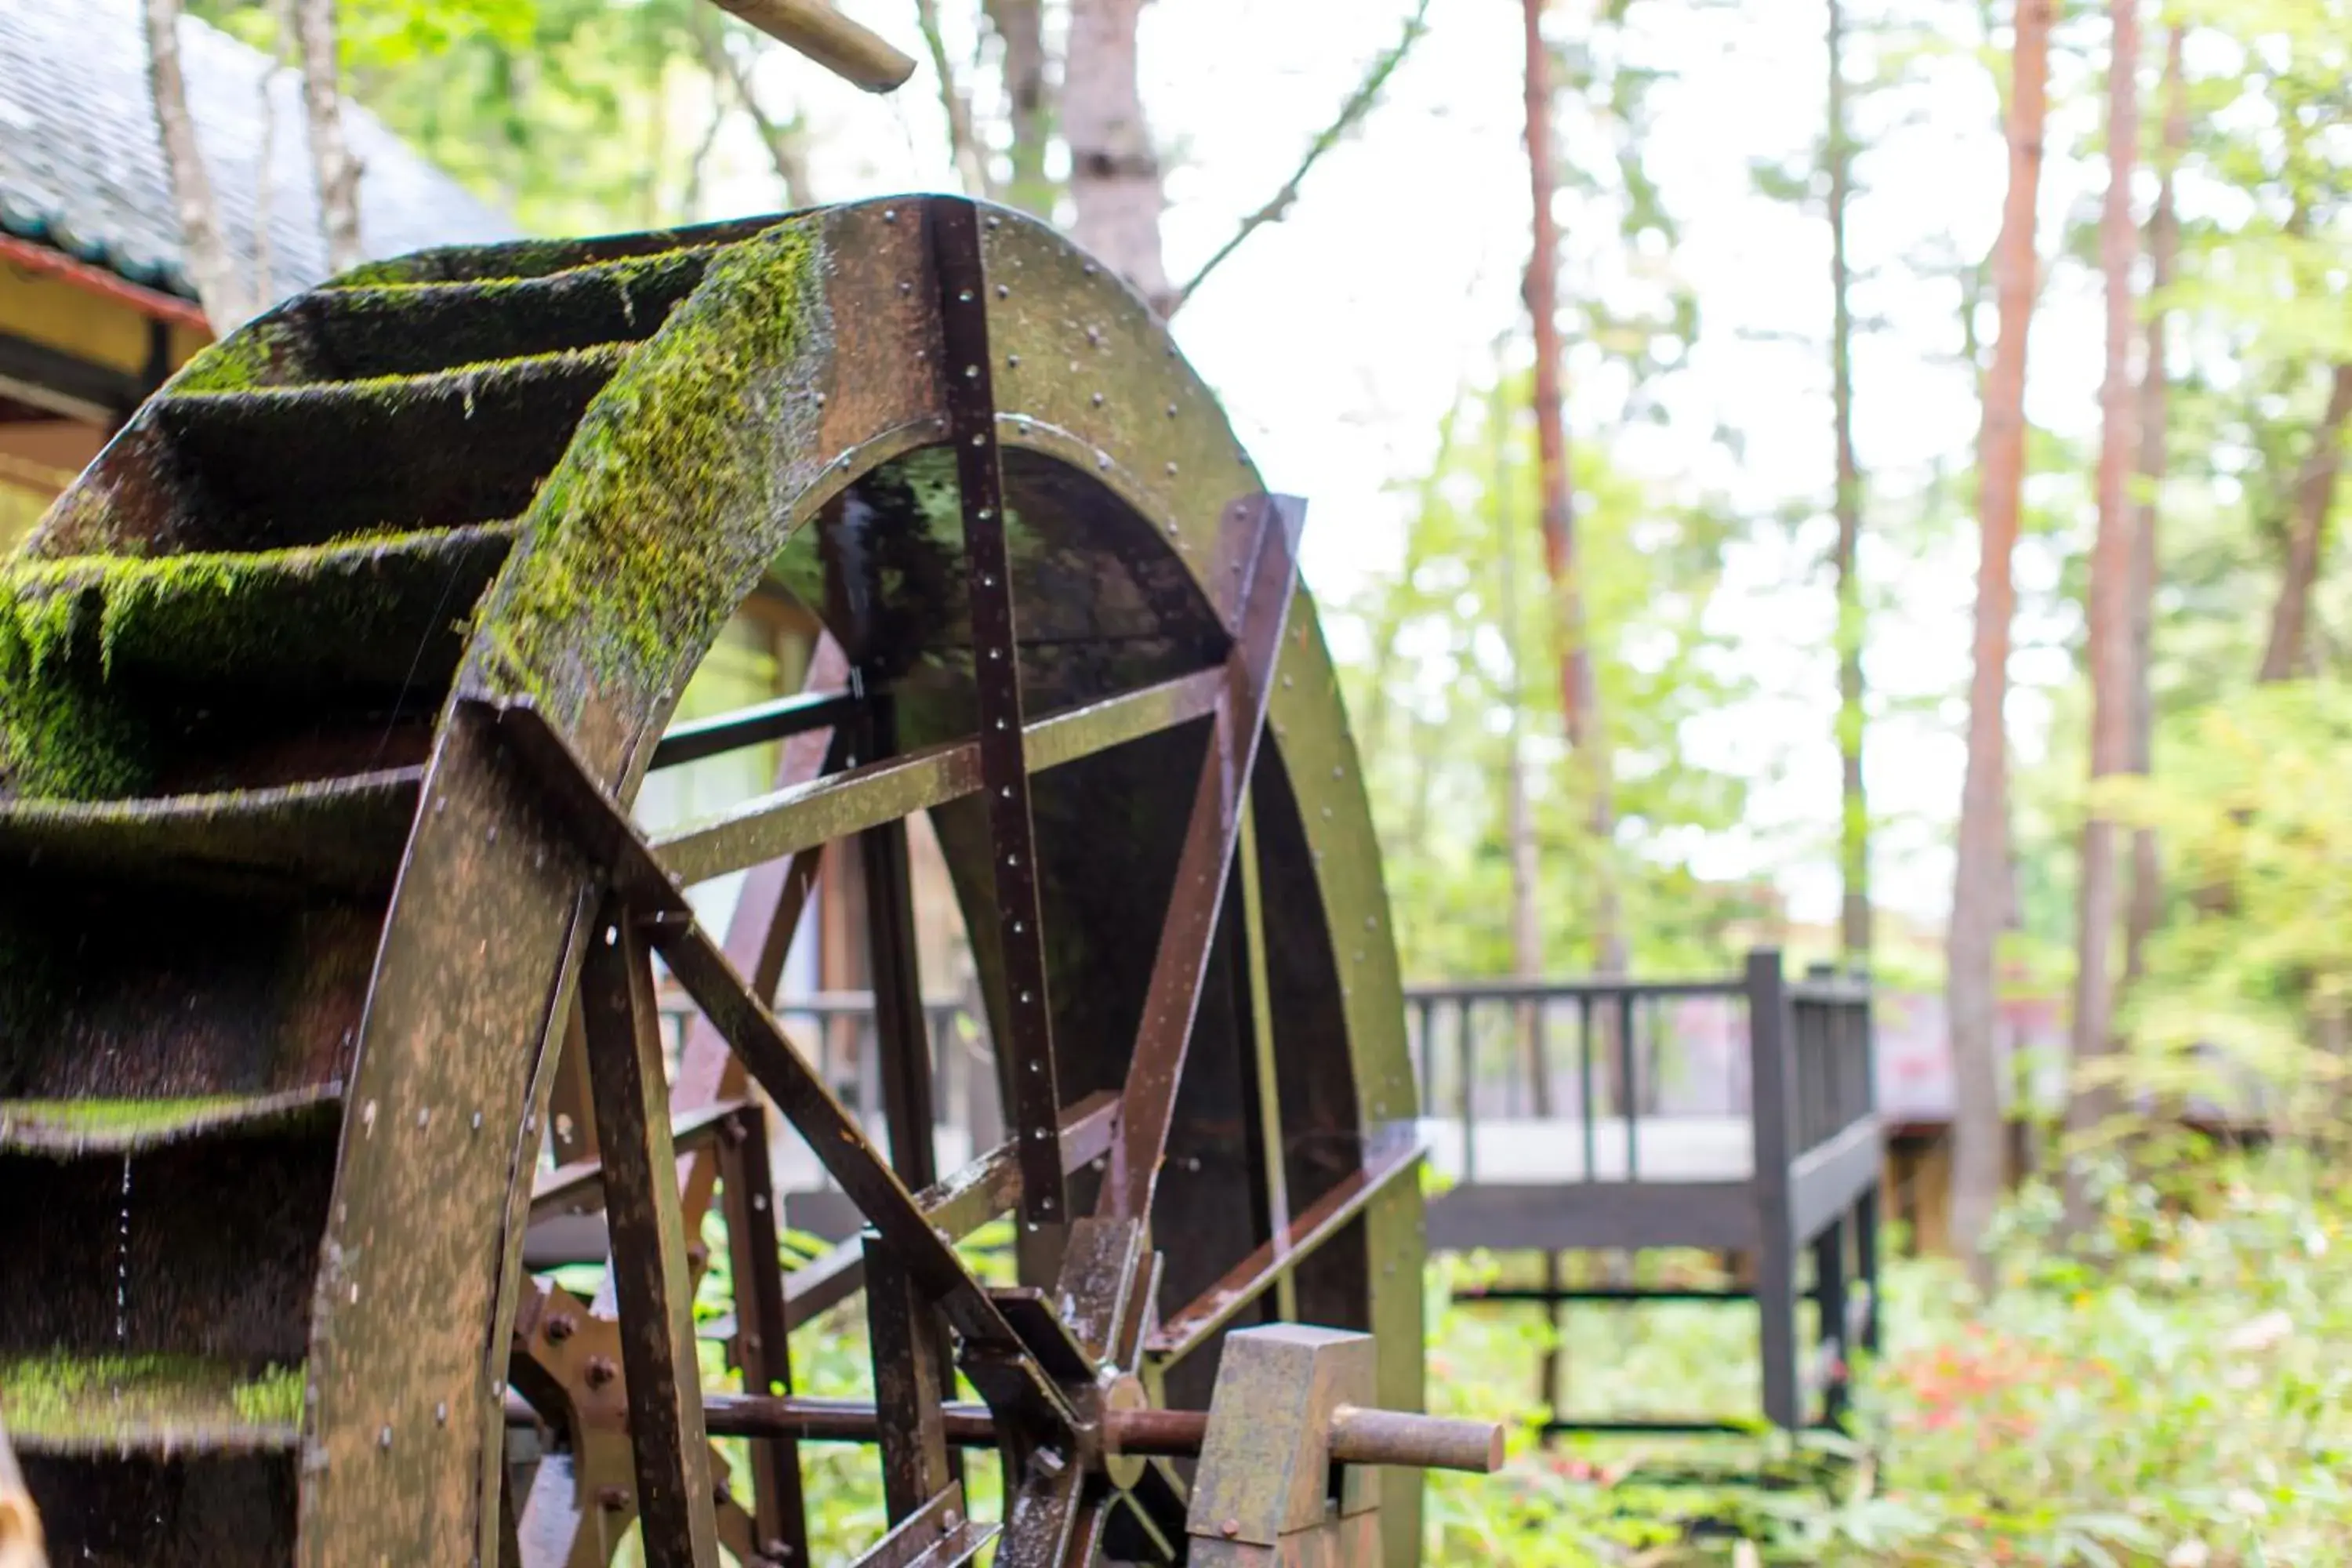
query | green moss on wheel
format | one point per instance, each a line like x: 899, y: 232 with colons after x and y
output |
x: 629, y: 560
x: 63, y: 1397
x: 58, y: 738
x: 242, y: 359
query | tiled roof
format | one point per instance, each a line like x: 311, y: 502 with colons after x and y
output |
x: 80, y: 168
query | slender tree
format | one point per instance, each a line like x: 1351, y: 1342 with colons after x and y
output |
x: 1578, y: 694
x: 1115, y: 194
x: 1019, y: 28
x: 2144, y: 904
x: 786, y: 141
x: 2311, y: 508
x: 964, y: 144
x: 2109, y: 651
x: 1853, y: 836
x: 333, y: 169
x: 219, y: 288
x: 1980, y: 873
x: 1352, y: 110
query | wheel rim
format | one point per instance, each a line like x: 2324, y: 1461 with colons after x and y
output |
x: 830, y: 394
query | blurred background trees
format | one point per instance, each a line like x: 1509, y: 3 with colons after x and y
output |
x: 1810, y: 464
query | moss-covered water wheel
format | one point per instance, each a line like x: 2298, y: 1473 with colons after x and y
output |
x: 318, y: 693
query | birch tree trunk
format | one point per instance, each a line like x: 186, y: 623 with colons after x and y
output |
x: 1854, y: 821
x: 963, y: 146
x: 1579, y: 695
x: 2287, y: 654
x: 2145, y: 903
x: 1980, y: 876
x: 1020, y: 26
x: 336, y: 172
x: 1115, y: 187
x: 220, y: 289
x: 787, y: 141
x: 2092, y: 1106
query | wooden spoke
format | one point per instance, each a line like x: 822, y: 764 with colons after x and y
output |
x: 1027, y: 1010
x: 802, y: 817
x: 648, y: 1272
x: 916, y: 1464
x: 1197, y: 1323
x: 747, y: 1025
x: 755, y: 726
x: 1261, y: 1084
x: 982, y: 1191
x: 908, y: 1375
x: 763, y: 1340
x: 1157, y: 1067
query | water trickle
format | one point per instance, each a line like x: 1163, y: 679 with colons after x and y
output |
x: 123, y: 1263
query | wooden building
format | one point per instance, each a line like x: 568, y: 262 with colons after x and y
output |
x: 96, y: 308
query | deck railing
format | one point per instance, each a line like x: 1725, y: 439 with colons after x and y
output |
x: 834, y: 1031
x: 1596, y: 1053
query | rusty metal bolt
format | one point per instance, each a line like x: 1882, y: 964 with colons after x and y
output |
x: 601, y: 1370
x: 1233, y: 1527
x: 559, y: 1328
x: 612, y: 1499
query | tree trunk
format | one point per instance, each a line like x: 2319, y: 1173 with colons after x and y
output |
x: 1020, y: 26
x: 2288, y: 652
x: 963, y: 147
x: 2108, y: 652
x: 1580, y: 698
x: 332, y: 164
x: 787, y: 141
x: 2145, y: 905
x: 1982, y: 849
x: 1854, y: 832
x: 1520, y: 830
x: 210, y: 270
x: 1114, y: 189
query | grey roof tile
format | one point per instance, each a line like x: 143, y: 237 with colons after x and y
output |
x: 80, y: 168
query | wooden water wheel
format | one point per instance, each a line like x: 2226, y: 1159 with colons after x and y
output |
x: 323, y: 696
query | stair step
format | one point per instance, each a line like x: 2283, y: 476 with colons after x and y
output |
x: 415, y: 329
x: 385, y: 611
x: 65, y: 1404
x: 345, y: 834
x: 290, y: 465
x: 75, y: 1127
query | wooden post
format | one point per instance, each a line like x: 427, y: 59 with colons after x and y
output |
x: 1774, y: 1116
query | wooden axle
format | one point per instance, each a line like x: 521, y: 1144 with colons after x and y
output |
x: 828, y: 37
x: 1357, y: 1435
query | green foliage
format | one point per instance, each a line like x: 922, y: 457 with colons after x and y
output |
x: 627, y: 567
x: 1463, y: 646
x: 59, y: 1396
x: 2251, y: 975
x: 2188, y: 1404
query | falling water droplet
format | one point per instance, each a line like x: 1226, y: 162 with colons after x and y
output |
x: 123, y: 1263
